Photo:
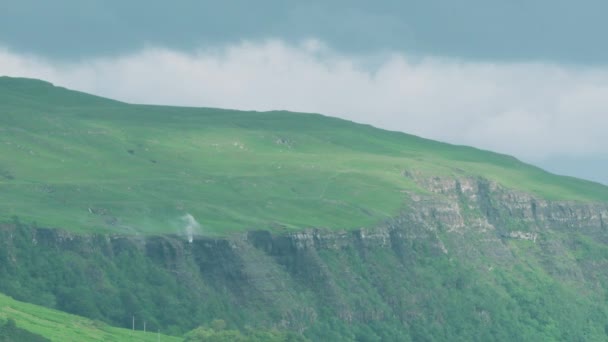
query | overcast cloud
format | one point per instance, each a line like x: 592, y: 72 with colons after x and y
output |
x: 535, y: 111
x: 564, y: 31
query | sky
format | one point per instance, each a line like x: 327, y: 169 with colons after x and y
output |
x: 523, y: 77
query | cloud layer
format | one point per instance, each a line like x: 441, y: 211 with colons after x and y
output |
x: 532, y: 111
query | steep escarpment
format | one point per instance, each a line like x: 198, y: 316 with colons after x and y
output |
x: 320, y: 226
x: 468, y: 259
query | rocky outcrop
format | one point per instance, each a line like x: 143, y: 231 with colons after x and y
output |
x: 497, y: 207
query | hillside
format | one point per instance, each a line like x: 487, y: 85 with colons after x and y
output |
x: 84, y: 163
x: 300, y: 225
x: 62, y: 327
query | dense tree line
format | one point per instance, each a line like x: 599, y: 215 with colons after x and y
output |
x: 216, y: 331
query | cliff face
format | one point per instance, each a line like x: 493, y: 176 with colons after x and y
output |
x: 468, y: 260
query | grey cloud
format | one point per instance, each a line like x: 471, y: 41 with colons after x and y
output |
x: 557, y: 30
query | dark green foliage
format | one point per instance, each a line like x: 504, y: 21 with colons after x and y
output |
x: 9, y: 332
x: 408, y: 291
x: 215, y: 333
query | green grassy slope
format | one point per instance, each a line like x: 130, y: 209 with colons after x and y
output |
x: 81, y: 162
x: 59, y: 326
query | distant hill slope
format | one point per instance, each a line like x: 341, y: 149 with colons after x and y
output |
x: 62, y: 327
x: 84, y: 163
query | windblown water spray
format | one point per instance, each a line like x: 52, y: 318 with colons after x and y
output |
x: 192, y: 226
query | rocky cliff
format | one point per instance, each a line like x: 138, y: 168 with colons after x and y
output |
x: 467, y: 259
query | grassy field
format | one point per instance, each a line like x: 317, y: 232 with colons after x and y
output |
x: 85, y: 163
x: 59, y: 326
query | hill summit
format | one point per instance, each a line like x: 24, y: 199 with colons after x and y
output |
x: 85, y: 163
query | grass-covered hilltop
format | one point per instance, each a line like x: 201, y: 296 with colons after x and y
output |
x: 88, y: 164
x: 223, y: 225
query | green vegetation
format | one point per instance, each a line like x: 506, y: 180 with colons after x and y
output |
x: 35, y: 321
x: 84, y: 163
x: 217, y: 332
x: 410, y: 290
x: 94, y: 193
x: 9, y: 332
